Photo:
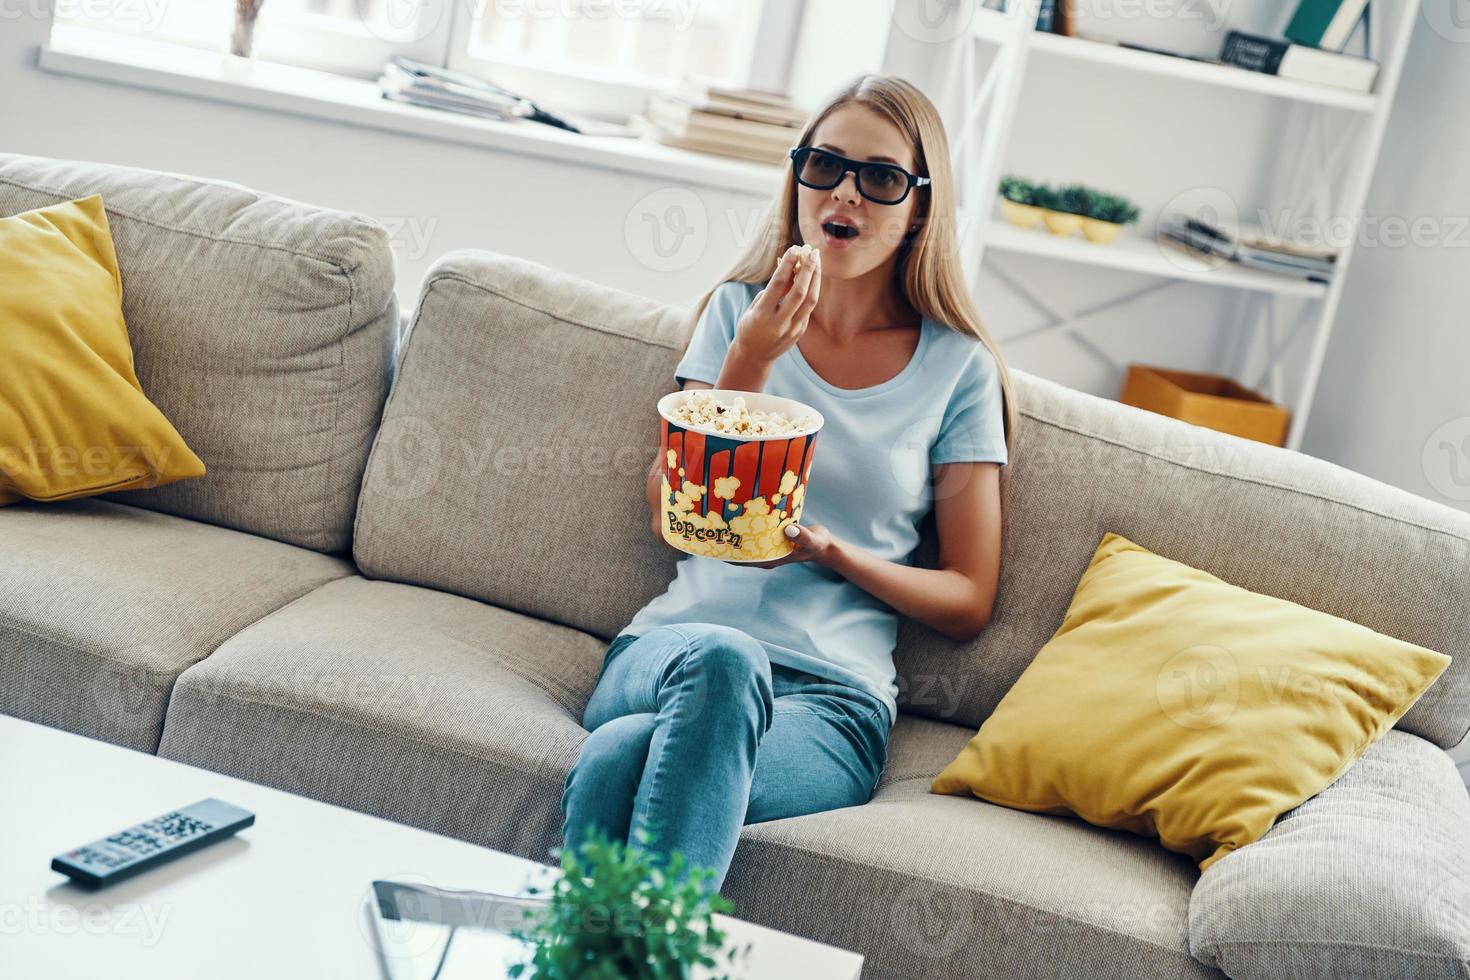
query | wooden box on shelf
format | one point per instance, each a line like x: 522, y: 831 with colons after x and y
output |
x: 1211, y: 400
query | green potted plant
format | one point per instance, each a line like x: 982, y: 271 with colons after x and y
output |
x: 1065, y: 207
x: 1107, y: 216
x: 1018, y: 202
x: 616, y: 914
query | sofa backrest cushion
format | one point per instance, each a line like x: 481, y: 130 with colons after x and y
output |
x: 511, y: 465
x: 1267, y: 519
x: 511, y: 460
x: 259, y: 326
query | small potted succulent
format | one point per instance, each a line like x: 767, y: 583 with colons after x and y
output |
x: 1100, y: 216
x: 1065, y: 207
x: 1107, y: 216
x: 616, y: 914
x: 1018, y: 203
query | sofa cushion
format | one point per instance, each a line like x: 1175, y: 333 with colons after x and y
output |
x: 1267, y: 519
x: 1371, y: 878
x: 102, y: 606
x: 260, y: 327
x: 444, y: 713
x: 934, y: 887
x: 419, y: 706
x: 514, y: 446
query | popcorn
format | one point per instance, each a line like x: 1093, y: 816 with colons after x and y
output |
x: 701, y: 410
x: 802, y: 252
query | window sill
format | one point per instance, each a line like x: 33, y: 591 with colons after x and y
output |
x: 301, y: 91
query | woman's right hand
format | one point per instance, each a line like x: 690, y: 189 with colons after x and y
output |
x: 777, y: 317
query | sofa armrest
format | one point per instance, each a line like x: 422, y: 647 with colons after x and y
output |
x: 1370, y: 878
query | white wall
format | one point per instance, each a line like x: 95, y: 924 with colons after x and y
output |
x: 839, y: 39
x: 1394, y: 401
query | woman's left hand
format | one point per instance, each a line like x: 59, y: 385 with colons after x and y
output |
x: 812, y: 542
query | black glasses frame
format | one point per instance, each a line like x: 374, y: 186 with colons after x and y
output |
x: 799, y: 154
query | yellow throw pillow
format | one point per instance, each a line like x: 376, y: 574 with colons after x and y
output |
x: 73, y: 419
x: 1173, y: 704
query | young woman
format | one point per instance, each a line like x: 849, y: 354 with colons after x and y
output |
x: 748, y: 693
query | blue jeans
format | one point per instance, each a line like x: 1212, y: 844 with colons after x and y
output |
x: 695, y: 733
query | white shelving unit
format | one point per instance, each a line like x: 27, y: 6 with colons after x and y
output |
x: 1326, y: 171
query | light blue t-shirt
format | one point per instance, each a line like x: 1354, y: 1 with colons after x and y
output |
x: 869, y: 485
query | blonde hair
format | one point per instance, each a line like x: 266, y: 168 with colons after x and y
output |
x: 928, y: 269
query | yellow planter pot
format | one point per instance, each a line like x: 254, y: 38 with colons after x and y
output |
x: 1061, y: 223
x: 1100, y: 231
x: 1020, y: 215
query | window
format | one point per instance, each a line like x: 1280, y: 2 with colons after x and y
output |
x: 351, y: 37
x: 201, y: 23
x: 603, y: 57
x: 354, y: 37
x: 600, y: 58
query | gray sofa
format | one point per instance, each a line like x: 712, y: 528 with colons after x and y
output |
x: 398, y: 602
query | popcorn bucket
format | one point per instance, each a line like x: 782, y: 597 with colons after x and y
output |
x: 731, y: 496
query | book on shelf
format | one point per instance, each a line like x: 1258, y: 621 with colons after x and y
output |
x: 1046, y: 15
x: 745, y: 103
x: 1148, y: 49
x: 719, y: 146
x: 1287, y: 60
x: 1189, y: 245
x: 1055, y: 17
x: 1063, y: 22
x: 693, y: 126
x: 700, y: 115
x: 1258, y: 239
x: 1167, y: 53
x: 680, y: 115
x: 1204, y: 241
x: 1325, y: 24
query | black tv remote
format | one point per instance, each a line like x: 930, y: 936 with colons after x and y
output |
x: 147, y: 845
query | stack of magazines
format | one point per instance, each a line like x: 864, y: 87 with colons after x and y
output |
x: 1252, y: 248
x: 405, y: 80
x: 701, y: 114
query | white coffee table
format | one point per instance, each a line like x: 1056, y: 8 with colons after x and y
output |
x: 283, y: 899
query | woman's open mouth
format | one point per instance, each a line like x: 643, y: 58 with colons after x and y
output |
x: 839, y: 234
